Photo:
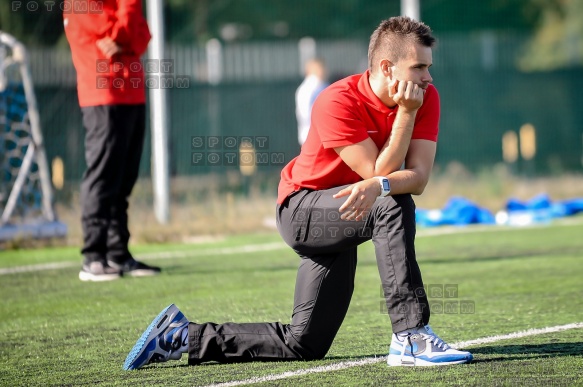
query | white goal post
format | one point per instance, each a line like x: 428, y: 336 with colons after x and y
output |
x: 26, y: 196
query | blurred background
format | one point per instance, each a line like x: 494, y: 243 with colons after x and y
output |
x: 509, y: 72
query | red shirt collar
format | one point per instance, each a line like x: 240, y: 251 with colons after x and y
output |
x: 369, y: 97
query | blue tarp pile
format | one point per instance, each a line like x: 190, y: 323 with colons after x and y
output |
x: 459, y: 211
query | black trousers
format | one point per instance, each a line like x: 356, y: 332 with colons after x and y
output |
x: 114, y: 139
x: 310, y: 223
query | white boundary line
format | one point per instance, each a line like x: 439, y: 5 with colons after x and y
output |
x: 39, y: 267
x: 372, y: 360
x: 161, y: 255
x: 430, y: 232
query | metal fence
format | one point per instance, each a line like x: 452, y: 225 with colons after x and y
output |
x: 247, y: 89
x: 217, y: 63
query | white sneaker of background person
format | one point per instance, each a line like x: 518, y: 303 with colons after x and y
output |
x: 422, y: 347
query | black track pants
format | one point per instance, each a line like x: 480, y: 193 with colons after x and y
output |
x: 309, y: 223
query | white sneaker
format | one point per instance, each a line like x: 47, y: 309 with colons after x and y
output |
x: 99, y: 271
x: 422, y: 347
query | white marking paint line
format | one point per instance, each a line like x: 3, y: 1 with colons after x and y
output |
x: 217, y: 251
x: 40, y: 267
x: 372, y: 360
x: 162, y: 255
x: 270, y: 246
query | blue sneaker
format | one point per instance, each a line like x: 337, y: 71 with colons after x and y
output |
x: 422, y: 347
x: 161, y: 341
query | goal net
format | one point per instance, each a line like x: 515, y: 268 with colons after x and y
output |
x: 26, y: 206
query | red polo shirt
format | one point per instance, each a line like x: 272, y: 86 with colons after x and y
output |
x: 346, y: 113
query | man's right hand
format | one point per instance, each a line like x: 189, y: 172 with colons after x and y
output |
x: 108, y: 47
x: 406, y: 94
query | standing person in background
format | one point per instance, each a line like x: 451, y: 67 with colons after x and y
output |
x: 107, y: 38
x: 314, y: 82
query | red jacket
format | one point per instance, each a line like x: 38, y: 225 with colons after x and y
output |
x: 102, y: 81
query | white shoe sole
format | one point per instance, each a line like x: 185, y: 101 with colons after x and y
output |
x: 88, y: 277
x: 395, y: 361
x: 141, y: 273
x: 134, y: 273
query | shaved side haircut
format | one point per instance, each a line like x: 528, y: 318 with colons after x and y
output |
x: 392, y: 38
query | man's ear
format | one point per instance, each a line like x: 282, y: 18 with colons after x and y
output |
x: 386, y: 68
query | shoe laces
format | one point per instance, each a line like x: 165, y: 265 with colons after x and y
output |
x: 172, y: 339
x: 435, y: 340
x: 431, y: 338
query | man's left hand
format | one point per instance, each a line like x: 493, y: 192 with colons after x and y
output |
x: 361, y: 197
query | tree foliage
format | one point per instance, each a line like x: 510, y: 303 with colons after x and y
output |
x: 325, y: 19
x: 34, y: 22
x: 557, y: 24
x: 558, y: 40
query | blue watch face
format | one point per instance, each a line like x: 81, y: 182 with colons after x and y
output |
x: 386, y: 186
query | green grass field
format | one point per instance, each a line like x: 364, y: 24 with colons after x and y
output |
x: 56, y: 330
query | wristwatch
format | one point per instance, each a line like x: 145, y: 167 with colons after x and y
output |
x: 385, y: 186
